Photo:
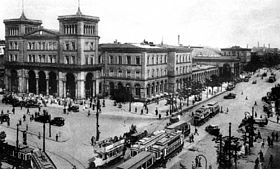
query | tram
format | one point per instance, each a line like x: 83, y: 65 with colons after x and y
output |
x: 182, y: 126
x: 108, y: 152
x: 143, y: 160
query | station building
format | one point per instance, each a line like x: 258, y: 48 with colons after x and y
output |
x: 146, y: 69
x: 62, y: 62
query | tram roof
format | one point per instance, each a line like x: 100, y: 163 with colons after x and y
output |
x: 174, y: 125
x: 136, y: 161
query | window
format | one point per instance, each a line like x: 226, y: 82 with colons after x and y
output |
x: 111, y: 72
x: 161, y: 59
x: 165, y: 58
x: 120, y: 59
x: 91, y: 46
x: 153, y: 73
x: 152, y: 60
x: 87, y: 59
x: 157, y: 73
x: 73, y: 60
x: 148, y: 60
x: 92, y: 59
x: 137, y: 60
x: 128, y: 58
x: 67, y: 61
x: 73, y: 46
x: 111, y: 59
x: 67, y: 46
x: 156, y: 59
x: 148, y: 73
x: 120, y: 73
x: 128, y: 73
x: 137, y: 74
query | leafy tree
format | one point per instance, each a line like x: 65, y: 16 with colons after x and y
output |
x: 122, y: 95
x: 2, y: 141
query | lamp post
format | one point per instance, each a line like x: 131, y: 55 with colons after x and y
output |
x: 97, y: 120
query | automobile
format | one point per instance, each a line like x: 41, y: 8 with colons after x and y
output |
x: 4, y: 117
x: 32, y: 104
x: 19, y: 103
x: 246, y: 79
x: 57, y: 121
x: 73, y: 108
x: 254, y: 82
x: 264, y: 74
x: 230, y: 87
x: 230, y: 96
x: 42, y: 118
x: 271, y: 79
x: 213, y: 129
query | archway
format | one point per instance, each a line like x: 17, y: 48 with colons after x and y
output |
x: 89, y: 85
x: 42, y: 83
x: 137, y: 90
x: 70, y: 85
x: 14, y: 81
x: 112, y: 87
x: 32, y: 81
x: 52, y: 83
x: 120, y: 85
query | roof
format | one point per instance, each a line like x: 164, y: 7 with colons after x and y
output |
x: 78, y: 16
x: 202, y: 67
x: 205, y: 52
x: 136, y: 160
x: 176, y: 124
x: 141, y: 47
x: 23, y: 19
x: 236, y: 48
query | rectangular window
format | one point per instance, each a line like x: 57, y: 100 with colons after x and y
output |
x: 67, y: 61
x: 92, y: 59
x: 73, y: 46
x: 120, y: 73
x: 128, y: 59
x: 128, y: 73
x: 137, y: 74
x: 137, y: 60
x: 73, y: 60
x: 111, y: 60
x: 120, y: 59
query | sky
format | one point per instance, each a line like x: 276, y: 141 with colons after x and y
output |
x: 213, y: 23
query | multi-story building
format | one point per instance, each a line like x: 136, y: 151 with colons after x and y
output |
x: 243, y: 54
x: 62, y: 62
x: 2, y: 68
x: 148, y: 70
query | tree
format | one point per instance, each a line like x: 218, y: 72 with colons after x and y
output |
x: 2, y: 141
x: 122, y: 95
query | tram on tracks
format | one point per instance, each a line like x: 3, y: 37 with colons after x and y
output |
x: 145, y: 143
x: 108, y: 151
x: 181, y: 126
x: 157, y: 155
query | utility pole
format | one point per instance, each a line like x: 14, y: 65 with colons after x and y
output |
x: 44, y: 137
x: 17, y: 137
x: 229, y: 152
x: 97, y: 120
x: 50, y: 130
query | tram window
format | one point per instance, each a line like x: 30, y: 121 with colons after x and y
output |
x: 149, y: 162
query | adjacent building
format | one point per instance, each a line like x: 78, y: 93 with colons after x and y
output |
x: 243, y: 54
x: 147, y: 70
x: 202, y: 72
x: 62, y: 62
x: 2, y: 68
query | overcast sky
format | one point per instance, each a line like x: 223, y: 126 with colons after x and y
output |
x: 215, y: 23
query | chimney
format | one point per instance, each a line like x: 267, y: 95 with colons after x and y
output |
x: 178, y: 40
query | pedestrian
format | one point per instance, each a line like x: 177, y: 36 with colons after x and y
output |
x: 256, y: 115
x: 88, y: 113
x: 276, y: 136
x: 272, y: 136
x: 142, y: 111
x: 196, y: 161
x: 242, y: 93
x: 135, y: 109
x: 103, y: 103
x: 39, y: 135
x: 92, y: 140
x: 20, y: 106
x: 39, y: 108
x: 227, y: 109
x: 196, y: 131
x: 27, y: 111
x: 255, y: 103
x: 268, y: 141
x: 156, y: 111
x: 257, y: 163
x: 167, y: 112
x: 263, y: 142
x: 192, y: 114
x: 261, y: 156
x: 93, y: 106
x: 2, y: 112
x: 270, y: 160
x: 259, y: 135
x: 13, y: 110
x: 56, y: 137
x: 24, y: 117
x: 246, y: 98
